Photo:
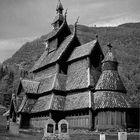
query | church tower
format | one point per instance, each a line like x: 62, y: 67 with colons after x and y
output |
x: 110, y: 99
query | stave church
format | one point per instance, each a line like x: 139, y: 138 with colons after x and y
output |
x: 73, y: 82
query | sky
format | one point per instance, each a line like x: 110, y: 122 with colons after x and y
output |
x: 25, y: 20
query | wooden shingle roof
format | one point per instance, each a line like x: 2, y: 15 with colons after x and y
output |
x: 47, y: 84
x: 55, y: 81
x: 110, y: 99
x: 38, y: 62
x: 58, y: 102
x: 28, y: 105
x: 110, y: 80
x: 58, y: 17
x: 24, y: 100
x: 52, y: 57
x: 78, y: 101
x: 49, y: 102
x: 83, y: 50
x: 42, y: 104
x: 56, y: 31
x: 30, y: 86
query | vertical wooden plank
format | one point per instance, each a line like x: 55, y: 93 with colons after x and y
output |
x: 115, y: 118
x: 80, y: 122
x: 110, y: 117
x: 125, y: 119
x: 90, y: 125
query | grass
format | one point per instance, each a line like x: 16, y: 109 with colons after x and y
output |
x: 26, y: 135
x: 5, y: 135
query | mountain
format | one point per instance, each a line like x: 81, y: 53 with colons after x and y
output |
x: 130, y: 25
x: 125, y: 40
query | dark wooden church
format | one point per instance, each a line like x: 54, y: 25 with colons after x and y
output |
x: 73, y: 82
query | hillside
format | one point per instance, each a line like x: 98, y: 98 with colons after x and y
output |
x: 125, y: 40
x: 130, y: 25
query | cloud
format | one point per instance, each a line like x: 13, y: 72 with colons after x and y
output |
x: 22, y: 18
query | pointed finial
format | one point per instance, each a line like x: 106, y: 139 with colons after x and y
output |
x: 77, y: 21
x: 59, y: 6
x: 66, y: 12
x: 109, y: 46
x: 75, y: 25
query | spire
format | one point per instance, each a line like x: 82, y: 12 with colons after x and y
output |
x: 110, y: 79
x: 59, y: 7
x: 58, y: 20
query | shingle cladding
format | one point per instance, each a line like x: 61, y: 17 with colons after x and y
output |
x: 46, y: 72
x: 110, y: 99
x: 49, y: 102
x: 21, y: 105
x: 110, y: 80
x: 58, y: 17
x: 30, y: 86
x: 94, y: 76
x: 58, y: 102
x: 56, y: 31
x: 42, y: 104
x: 110, y: 91
x: 55, y: 81
x: 47, y: 83
x: 48, y: 58
x: 62, y: 48
x: 78, y: 100
x: 83, y: 50
x: 28, y: 105
x: 38, y: 62
x: 77, y: 75
x: 60, y: 82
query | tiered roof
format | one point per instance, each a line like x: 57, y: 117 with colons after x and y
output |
x: 44, y: 103
x: 110, y: 80
x: 49, y: 58
x: 110, y: 99
x: 49, y: 83
x: 30, y: 86
x: 110, y: 91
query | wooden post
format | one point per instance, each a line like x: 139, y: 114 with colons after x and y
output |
x: 50, y: 114
x: 90, y: 120
x: 125, y: 119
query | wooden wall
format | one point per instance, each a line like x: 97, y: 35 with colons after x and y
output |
x: 38, y: 122
x: 79, y: 121
x: 110, y: 119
